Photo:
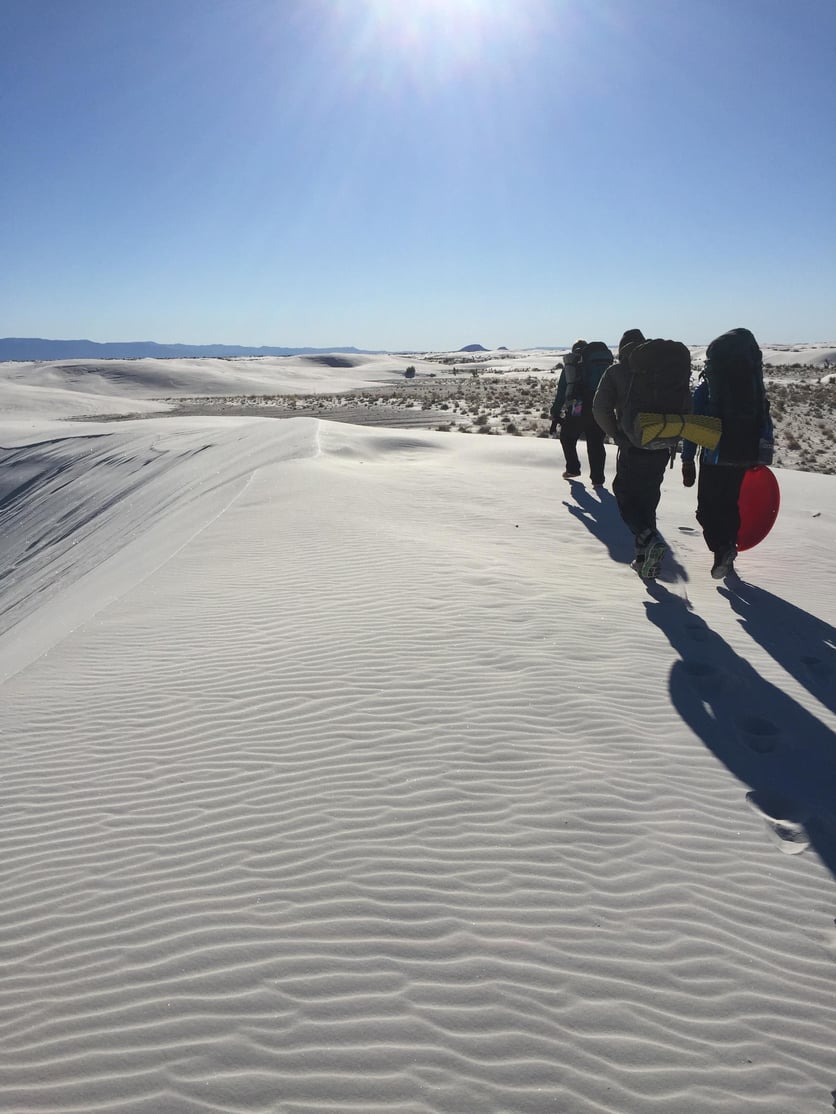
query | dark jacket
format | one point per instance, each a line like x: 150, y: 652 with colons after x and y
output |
x: 614, y: 388
x: 609, y: 400
x: 571, y: 363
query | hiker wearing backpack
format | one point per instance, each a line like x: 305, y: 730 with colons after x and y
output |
x: 572, y: 408
x: 651, y: 379
x: 731, y: 388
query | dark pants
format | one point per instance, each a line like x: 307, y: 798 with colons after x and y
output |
x: 571, y: 432
x: 718, y: 491
x: 637, y: 486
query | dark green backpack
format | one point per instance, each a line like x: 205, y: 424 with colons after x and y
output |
x: 583, y: 373
x: 736, y: 395
x: 595, y: 359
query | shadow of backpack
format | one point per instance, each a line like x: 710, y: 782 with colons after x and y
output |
x: 658, y: 400
x: 583, y: 374
x: 736, y: 395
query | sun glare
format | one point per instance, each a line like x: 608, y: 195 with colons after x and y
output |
x: 439, y: 39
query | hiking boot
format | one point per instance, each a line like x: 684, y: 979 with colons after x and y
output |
x: 724, y: 562
x: 597, y: 483
x: 571, y: 475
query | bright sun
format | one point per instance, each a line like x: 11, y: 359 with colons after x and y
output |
x: 442, y: 36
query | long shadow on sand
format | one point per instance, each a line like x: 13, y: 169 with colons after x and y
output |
x: 598, y: 512
x: 804, y: 645
x: 764, y: 737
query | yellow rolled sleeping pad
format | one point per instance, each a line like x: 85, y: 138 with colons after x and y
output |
x: 699, y: 428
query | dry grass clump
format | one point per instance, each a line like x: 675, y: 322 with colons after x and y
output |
x: 517, y: 405
x: 804, y: 415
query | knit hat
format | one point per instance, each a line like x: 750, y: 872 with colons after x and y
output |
x: 629, y: 341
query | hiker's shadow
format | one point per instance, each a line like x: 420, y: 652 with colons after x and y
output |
x: 599, y: 514
x: 804, y: 645
x: 766, y: 739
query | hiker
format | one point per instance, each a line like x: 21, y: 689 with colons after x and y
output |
x: 648, y: 377
x: 731, y: 388
x: 572, y: 408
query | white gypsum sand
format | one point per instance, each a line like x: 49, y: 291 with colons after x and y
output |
x: 352, y: 769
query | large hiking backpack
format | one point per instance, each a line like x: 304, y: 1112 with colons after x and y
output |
x: 736, y: 395
x: 583, y: 374
x: 659, y: 384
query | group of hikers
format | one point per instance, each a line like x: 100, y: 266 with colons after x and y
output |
x: 642, y: 401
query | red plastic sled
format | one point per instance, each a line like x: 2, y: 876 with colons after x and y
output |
x: 758, y: 503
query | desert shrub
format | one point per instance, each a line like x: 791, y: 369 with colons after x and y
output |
x: 410, y: 372
x: 482, y: 420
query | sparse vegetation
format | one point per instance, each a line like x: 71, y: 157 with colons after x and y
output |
x: 490, y: 401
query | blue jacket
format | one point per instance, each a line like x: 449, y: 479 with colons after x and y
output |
x: 712, y: 456
x: 689, y: 449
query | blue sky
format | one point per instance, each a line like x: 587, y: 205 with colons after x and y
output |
x: 417, y: 174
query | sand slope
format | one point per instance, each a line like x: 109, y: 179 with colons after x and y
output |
x: 347, y: 770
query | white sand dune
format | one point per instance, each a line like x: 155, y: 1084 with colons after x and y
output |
x: 151, y: 378
x: 346, y: 770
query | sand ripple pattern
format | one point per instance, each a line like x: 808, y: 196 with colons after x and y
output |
x: 331, y: 832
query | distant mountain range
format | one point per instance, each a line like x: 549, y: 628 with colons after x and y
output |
x: 35, y: 348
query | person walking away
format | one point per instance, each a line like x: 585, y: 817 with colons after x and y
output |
x: 572, y: 408
x: 650, y: 376
x: 569, y: 372
x: 731, y: 388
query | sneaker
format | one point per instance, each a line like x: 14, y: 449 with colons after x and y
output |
x: 654, y: 554
x: 724, y: 562
x: 571, y: 475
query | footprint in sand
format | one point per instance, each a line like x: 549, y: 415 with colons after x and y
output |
x: 709, y: 681
x: 784, y: 821
x: 698, y: 631
x: 759, y: 734
x: 705, y: 678
x: 818, y: 669
x: 700, y: 669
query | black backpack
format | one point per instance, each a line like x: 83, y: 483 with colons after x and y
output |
x: 736, y: 395
x: 583, y: 373
x: 660, y: 384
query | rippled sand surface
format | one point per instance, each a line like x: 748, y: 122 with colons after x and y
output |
x: 353, y: 769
